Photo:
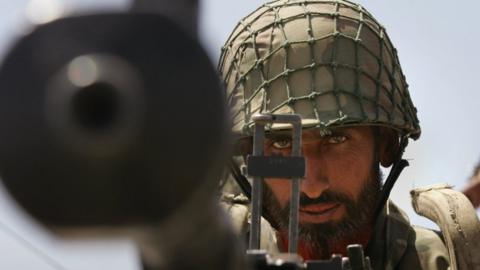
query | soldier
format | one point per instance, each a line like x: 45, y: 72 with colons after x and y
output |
x: 333, y: 64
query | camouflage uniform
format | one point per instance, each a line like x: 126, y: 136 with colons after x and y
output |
x: 396, y: 244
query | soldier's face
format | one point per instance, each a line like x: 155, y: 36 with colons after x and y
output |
x: 338, y: 168
x: 339, y: 191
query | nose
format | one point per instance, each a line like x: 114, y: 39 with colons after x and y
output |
x: 316, y: 175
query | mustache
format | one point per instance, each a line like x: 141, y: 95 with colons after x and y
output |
x: 327, y: 196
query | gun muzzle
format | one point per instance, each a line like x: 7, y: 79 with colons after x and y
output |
x: 105, y: 121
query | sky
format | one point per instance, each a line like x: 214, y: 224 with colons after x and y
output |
x: 438, y: 46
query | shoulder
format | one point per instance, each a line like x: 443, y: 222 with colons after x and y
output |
x: 237, y: 208
x: 424, y: 248
x: 430, y: 248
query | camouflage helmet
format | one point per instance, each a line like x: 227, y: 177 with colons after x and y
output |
x: 328, y: 60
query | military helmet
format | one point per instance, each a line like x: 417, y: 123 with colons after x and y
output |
x: 328, y: 60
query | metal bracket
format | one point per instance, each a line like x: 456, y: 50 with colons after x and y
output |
x: 261, y: 166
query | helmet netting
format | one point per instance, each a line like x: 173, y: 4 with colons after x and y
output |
x: 329, y: 61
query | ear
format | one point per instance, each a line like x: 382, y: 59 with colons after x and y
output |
x: 389, y: 146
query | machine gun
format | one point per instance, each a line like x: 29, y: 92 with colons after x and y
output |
x: 97, y: 121
x: 101, y: 114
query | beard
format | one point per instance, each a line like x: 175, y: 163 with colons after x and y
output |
x: 322, y: 237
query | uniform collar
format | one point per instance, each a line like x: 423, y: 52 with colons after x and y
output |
x: 390, y: 239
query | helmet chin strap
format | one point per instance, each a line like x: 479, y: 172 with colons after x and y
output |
x: 398, y: 165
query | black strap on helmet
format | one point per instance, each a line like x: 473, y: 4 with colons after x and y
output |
x: 398, y: 165
x: 240, y: 179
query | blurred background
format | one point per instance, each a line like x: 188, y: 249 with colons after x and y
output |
x: 438, y: 46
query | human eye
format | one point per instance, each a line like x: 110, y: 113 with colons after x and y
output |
x: 282, y: 143
x: 336, y: 139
